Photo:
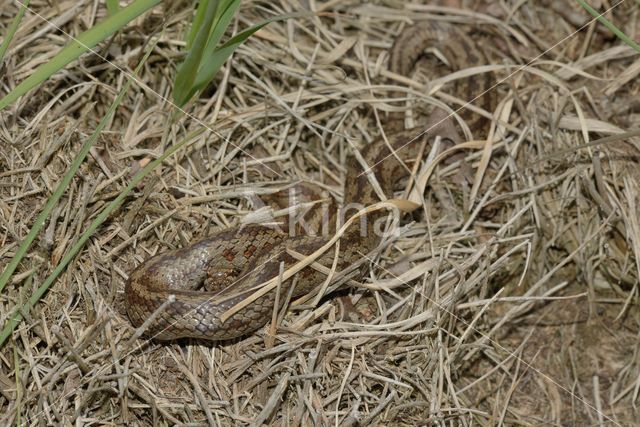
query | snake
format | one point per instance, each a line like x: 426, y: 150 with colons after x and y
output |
x: 164, y: 294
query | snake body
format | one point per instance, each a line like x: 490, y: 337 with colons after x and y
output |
x: 235, y: 260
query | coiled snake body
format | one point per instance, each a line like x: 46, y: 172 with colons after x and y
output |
x: 254, y: 253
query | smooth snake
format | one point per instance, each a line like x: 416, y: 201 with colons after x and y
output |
x: 235, y: 260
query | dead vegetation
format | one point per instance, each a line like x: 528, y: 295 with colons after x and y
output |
x: 511, y: 300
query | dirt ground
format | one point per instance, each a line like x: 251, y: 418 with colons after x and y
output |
x: 510, y: 297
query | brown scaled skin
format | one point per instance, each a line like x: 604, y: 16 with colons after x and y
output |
x: 255, y: 252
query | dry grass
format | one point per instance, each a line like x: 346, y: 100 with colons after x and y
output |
x: 518, y: 306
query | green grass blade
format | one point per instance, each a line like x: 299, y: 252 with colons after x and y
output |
x: 80, y: 45
x: 225, y: 13
x: 188, y: 70
x: 615, y: 30
x: 205, y: 57
x: 112, y: 6
x: 210, y: 67
x: 12, y: 30
x: 197, y: 22
x: 16, y: 317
